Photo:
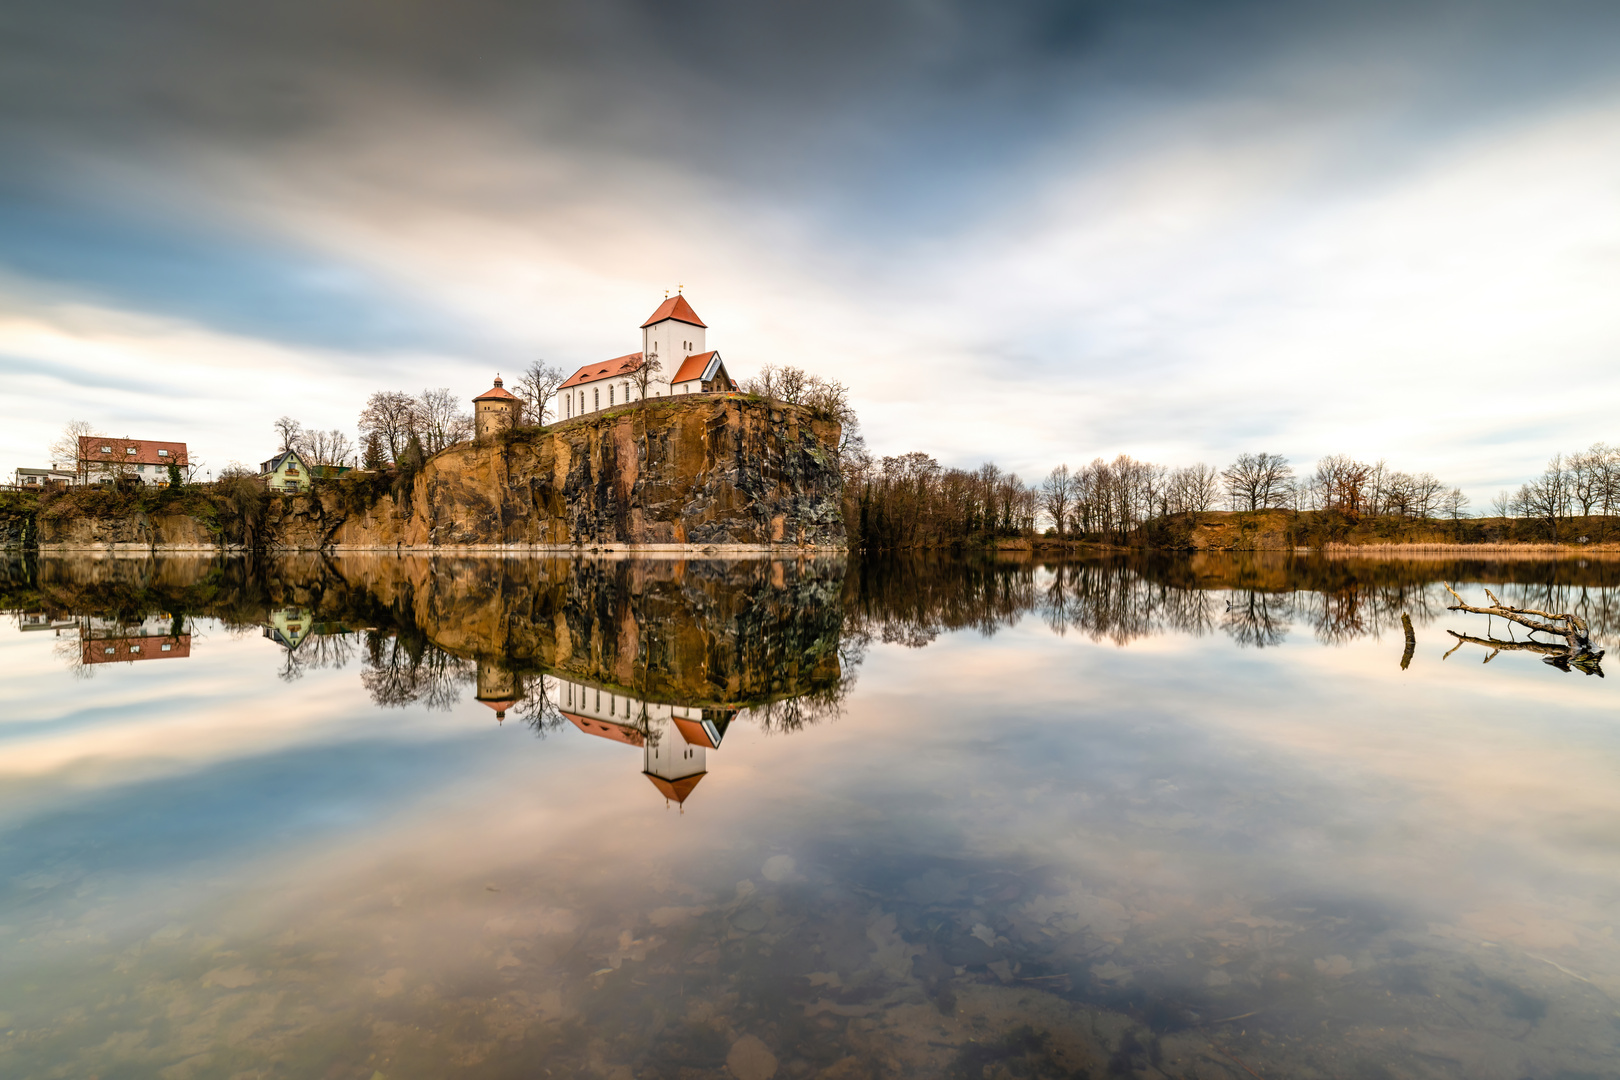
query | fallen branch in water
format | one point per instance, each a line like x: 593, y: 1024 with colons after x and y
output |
x: 1576, y: 652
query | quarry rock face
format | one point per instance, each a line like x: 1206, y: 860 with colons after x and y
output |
x: 715, y: 471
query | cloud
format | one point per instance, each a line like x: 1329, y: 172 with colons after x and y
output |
x: 1031, y: 233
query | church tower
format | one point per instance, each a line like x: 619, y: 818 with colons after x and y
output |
x: 495, y: 410
x: 671, y: 334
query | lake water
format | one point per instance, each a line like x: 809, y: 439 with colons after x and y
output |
x: 410, y: 817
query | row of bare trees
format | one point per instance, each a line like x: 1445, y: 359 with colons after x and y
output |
x: 313, y: 445
x: 1585, y: 484
x: 910, y: 500
x: 1358, y: 489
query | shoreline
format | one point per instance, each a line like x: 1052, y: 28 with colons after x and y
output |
x: 609, y: 548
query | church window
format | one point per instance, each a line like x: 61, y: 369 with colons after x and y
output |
x: 596, y: 397
x: 610, y: 395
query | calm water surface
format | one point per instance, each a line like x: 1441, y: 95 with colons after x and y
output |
x: 387, y: 818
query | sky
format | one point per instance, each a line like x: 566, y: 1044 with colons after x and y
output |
x: 1031, y: 233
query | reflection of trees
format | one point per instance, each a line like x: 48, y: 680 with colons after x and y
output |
x: 316, y: 652
x: 401, y: 669
x: 787, y: 715
x: 538, y: 709
x: 1256, y: 619
x: 1255, y: 597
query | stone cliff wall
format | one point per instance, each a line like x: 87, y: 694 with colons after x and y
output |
x: 712, y: 472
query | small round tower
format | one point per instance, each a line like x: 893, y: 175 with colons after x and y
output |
x: 495, y: 410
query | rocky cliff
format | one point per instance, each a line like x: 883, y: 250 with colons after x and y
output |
x: 708, y: 472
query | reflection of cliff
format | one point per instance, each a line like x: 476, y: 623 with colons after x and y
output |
x: 706, y: 633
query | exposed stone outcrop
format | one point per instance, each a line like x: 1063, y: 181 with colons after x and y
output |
x: 715, y: 471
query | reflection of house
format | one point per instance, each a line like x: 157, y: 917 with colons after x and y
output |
x: 288, y: 627
x: 674, y: 739
x: 111, y: 641
x: 39, y: 620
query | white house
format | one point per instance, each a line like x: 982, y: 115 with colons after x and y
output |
x: 674, y: 337
x: 43, y: 478
x: 674, y: 739
x: 146, y: 460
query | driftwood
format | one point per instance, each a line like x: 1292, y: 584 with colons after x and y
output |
x: 1411, y: 641
x: 1576, y: 651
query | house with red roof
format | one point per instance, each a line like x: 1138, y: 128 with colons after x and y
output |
x: 674, y: 338
x: 146, y: 460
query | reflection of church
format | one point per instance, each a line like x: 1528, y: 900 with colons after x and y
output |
x: 674, y: 739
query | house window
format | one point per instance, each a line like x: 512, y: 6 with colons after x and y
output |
x: 163, y: 453
x: 135, y: 649
x: 129, y: 449
x: 292, y: 485
x: 167, y: 647
x: 106, y: 449
x: 109, y: 650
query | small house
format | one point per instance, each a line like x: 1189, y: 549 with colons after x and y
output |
x: 44, y: 478
x: 287, y: 473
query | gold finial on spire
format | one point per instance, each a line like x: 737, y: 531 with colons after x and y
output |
x: 666, y: 294
x: 678, y: 289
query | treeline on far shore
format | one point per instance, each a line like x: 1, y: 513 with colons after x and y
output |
x: 911, y: 501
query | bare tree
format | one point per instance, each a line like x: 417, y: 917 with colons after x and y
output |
x: 65, y: 450
x: 1258, y: 481
x: 1342, y: 484
x: 645, y: 375
x: 537, y: 386
x: 1504, y: 504
x: 780, y: 383
x: 288, y: 433
x: 1057, y: 495
x: 391, y: 416
x: 440, y: 420
x: 1455, y: 504
x: 1192, y: 489
x: 325, y: 447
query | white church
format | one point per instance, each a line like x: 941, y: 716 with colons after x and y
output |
x: 674, y: 338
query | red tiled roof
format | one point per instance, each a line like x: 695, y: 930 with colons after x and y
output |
x: 619, y: 365
x: 675, y: 308
x: 676, y: 789
x: 496, y: 393
x: 692, y: 731
x: 498, y: 706
x: 692, y: 367
x: 605, y: 730
x: 146, y: 450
